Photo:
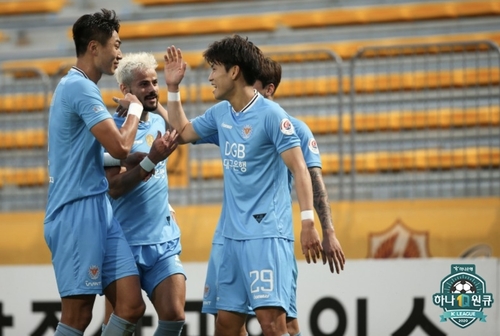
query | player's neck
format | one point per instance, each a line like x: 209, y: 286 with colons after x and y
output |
x: 88, y: 68
x: 242, y: 97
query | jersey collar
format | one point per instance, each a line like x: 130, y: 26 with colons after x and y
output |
x: 250, y: 103
x: 80, y: 71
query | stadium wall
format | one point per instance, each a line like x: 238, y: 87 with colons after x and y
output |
x: 446, y: 228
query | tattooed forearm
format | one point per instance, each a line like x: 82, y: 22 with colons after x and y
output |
x: 320, y: 198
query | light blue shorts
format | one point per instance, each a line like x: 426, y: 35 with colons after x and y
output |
x: 157, y: 262
x: 211, y: 280
x: 89, y: 249
x: 255, y: 273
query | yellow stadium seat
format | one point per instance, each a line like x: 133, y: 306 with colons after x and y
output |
x: 24, y: 102
x: 308, y: 18
x: 168, y: 2
x: 32, y: 138
x: 322, y: 86
x: 422, y: 159
x: 195, y: 26
x: 345, y: 49
x: 24, y: 177
x: 382, y: 121
x: 372, y: 162
x: 20, y: 7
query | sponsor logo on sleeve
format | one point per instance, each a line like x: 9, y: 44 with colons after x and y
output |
x: 313, y: 146
x: 286, y: 127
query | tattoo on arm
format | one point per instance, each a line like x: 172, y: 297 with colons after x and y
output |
x: 320, y: 198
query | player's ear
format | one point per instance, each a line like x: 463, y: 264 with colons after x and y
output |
x: 124, y: 89
x: 92, y: 46
x: 234, y: 71
x: 270, y: 90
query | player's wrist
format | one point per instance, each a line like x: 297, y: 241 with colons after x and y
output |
x: 147, y: 164
x: 135, y: 109
x: 173, y: 95
x: 307, y: 215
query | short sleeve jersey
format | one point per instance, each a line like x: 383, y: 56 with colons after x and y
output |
x: 75, y: 157
x: 309, y: 148
x: 257, y: 198
x: 143, y: 212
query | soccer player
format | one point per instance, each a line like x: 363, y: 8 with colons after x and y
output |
x: 142, y: 208
x: 89, y: 251
x: 267, y: 83
x: 257, y: 144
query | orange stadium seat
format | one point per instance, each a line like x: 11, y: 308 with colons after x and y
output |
x: 195, y: 26
x: 169, y: 2
x: 31, y: 138
x: 22, y: 7
x: 24, y: 102
x: 24, y: 177
x: 389, y: 13
x: 345, y: 49
x: 363, y: 83
x: 422, y: 159
x: 406, y: 120
x: 295, y: 87
x: 382, y: 121
x: 306, y: 19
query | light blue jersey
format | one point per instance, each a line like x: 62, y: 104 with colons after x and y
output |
x: 143, y: 212
x: 251, y: 142
x: 312, y: 158
x: 74, y: 155
x: 310, y: 151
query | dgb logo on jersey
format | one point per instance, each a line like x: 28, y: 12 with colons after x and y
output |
x: 463, y: 296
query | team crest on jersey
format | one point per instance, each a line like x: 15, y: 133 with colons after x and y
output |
x: 97, y: 108
x: 286, y: 127
x: 206, y: 290
x: 246, y: 131
x: 94, y: 272
x: 149, y: 140
x: 313, y: 146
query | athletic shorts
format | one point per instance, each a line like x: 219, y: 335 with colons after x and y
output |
x: 211, y: 280
x: 255, y: 273
x: 157, y: 262
x: 89, y: 249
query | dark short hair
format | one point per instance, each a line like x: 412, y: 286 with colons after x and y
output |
x: 270, y: 73
x: 236, y: 50
x: 94, y: 27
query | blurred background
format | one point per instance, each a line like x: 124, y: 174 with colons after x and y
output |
x: 403, y: 97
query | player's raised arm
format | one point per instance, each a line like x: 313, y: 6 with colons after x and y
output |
x: 174, y: 70
x: 118, y: 142
x: 309, y: 237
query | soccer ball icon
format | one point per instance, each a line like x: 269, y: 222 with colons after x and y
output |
x: 463, y: 286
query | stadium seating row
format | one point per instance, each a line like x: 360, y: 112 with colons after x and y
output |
x: 170, y: 2
x: 307, y: 19
x: 382, y: 121
x: 23, y: 7
x: 423, y: 159
x: 345, y: 49
x: 302, y: 87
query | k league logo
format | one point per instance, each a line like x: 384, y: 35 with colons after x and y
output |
x: 463, y: 296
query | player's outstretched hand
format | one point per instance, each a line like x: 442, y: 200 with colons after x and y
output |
x: 163, y: 146
x: 332, y: 251
x: 125, y: 102
x: 175, y: 67
x: 309, y: 239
